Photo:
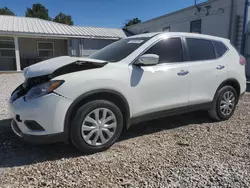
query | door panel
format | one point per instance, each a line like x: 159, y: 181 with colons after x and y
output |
x: 207, y: 69
x: 159, y: 87
x: 205, y: 78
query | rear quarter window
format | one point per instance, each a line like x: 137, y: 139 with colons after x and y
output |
x: 220, y: 48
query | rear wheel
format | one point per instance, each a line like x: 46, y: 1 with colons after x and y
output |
x: 97, y: 125
x: 224, y: 104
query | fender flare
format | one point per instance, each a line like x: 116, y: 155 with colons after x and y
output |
x: 228, y: 81
x: 73, y: 106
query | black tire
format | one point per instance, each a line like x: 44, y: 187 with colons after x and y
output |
x: 75, y: 129
x: 215, y: 113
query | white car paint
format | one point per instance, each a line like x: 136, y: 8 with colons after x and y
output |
x: 50, y: 65
x: 150, y: 85
x: 147, y: 89
x: 48, y: 111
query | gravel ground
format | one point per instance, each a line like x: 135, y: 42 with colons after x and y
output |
x: 8, y: 82
x: 182, y: 151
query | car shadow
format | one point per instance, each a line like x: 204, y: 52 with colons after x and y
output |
x: 15, y: 152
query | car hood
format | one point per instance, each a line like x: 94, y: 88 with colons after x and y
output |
x: 50, y: 66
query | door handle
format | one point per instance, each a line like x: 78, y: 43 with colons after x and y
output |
x: 182, y: 73
x: 219, y: 67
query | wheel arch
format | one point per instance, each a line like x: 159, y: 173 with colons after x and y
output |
x: 230, y: 82
x: 106, y: 94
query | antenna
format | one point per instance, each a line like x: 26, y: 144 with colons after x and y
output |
x: 198, y: 8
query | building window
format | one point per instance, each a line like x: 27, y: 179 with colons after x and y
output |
x: 195, y: 26
x: 7, y: 48
x: 167, y: 29
x: 45, y: 49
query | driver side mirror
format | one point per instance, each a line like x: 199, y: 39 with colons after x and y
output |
x: 148, y: 59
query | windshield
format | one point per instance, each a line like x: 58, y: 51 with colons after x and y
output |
x: 120, y: 49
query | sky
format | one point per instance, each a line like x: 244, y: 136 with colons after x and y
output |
x: 102, y: 13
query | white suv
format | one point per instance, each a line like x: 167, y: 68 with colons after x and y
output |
x: 90, y: 101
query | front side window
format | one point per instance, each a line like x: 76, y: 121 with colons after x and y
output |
x: 45, y: 49
x: 220, y: 48
x: 120, y: 49
x: 169, y: 50
x: 7, y: 48
x: 200, y: 49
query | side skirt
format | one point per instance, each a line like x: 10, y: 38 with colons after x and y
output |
x: 170, y: 112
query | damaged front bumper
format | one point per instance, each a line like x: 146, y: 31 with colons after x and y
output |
x: 40, y: 120
x: 38, y: 139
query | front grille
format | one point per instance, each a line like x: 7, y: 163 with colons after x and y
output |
x: 20, y: 87
x: 27, y: 85
x: 31, y: 82
x: 17, y: 93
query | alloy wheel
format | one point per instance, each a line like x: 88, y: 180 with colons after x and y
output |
x: 227, y: 103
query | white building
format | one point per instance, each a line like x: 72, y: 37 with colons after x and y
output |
x: 224, y: 18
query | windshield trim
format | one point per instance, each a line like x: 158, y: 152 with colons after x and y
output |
x: 118, y: 58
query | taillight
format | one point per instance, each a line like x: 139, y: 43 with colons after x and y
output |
x: 243, y: 60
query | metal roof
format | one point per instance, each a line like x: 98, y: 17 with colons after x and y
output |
x: 13, y: 25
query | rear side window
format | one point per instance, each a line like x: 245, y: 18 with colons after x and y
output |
x: 200, y: 49
x: 220, y: 48
x: 168, y: 50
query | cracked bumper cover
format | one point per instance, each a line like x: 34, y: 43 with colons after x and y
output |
x: 48, y: 111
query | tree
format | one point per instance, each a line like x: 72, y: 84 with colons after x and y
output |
x: 63, y: 18
x: 132, y: 22
x: 38, y: 11
x: 6, y: 11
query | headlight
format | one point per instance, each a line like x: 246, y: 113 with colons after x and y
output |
x: 43, y: 89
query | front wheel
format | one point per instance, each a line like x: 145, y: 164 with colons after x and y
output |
x: 96, y: 127
x: 224, y: 104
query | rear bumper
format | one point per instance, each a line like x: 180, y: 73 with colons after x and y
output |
x: 39, y: 139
